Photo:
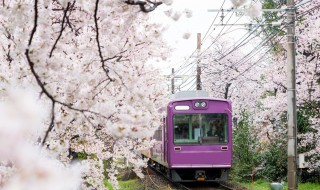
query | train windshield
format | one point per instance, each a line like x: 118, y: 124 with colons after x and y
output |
x: 200, y: 128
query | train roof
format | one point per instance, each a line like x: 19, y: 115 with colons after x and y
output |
x: 199, y: 98
x: 194, y: 95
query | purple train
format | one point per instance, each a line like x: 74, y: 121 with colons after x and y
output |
x: 195, y: 141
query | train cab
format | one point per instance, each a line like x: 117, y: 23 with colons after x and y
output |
x: 196, y: 140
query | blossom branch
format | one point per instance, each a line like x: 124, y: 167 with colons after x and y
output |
x: 63, y: 26
x: 31, y: 64
x: 106, y: 70
x: 42, y: 84
x: 27, y: 53
x: 51, y: 124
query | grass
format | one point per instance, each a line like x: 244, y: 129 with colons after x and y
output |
x: 137, y: 184
x: 264, y: 185
x: 133, y: 184
x: 257, y: 185
x: 311, y: 186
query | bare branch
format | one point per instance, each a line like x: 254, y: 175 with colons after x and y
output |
x: 31, y: 64
x: 106, y: 70
x: 51, y: 124
x: 101, y: 88
x: 63, y: 26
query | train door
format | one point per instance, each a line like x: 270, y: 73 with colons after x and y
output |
x: 165, y: 140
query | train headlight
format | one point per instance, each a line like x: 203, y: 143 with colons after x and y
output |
x: 200, y: 104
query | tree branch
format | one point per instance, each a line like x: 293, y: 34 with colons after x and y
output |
x: 63, y: 26
x: 144, y: 6
x: 106, y: 70
x: 42, y: 84
x: 51, y: 124
x: 31, y: 64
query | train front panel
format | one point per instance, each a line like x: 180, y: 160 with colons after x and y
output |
x: 199, y: 139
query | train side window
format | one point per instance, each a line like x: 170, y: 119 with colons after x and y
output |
x: 158, y: 134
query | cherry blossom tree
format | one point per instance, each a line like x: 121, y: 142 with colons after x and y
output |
x: 263, y: 91
x: 274, y: 103
x: 87, y: 61
x: 231, y: 73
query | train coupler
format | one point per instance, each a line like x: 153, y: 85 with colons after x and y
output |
x: 200, y: 175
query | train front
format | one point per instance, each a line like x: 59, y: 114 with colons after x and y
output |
x: 199, y: 139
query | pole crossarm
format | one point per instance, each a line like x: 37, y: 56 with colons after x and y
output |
x: 245, y: 10
x: 249, y: 24
x: 177, y: 76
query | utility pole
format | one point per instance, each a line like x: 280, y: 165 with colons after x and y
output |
x: 198, y: 62
x: 172, y: 81
x: 292, y: 110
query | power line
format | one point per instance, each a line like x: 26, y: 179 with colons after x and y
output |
x: 247, y: 69
x: 180, y: 67
x: 250, y: 54
x: 300, y: 15
x: 191, y: 81
x: 239, y: 45
x: 244, y: 58
x: 184, y: 66
x: 270, y: 36
x: 217, y: 36
x: 204, y: 37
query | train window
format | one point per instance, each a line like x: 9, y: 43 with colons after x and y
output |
x: 200, y: 128
x: 158, y: 134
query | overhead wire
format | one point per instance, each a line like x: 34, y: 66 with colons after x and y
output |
x: 213, y: 41
x: 265, y: 53
x: 255, y: 62
x: 181, y: 66
x: 241, y: 43
x: 219, y: 35
x: 244, y: 59
x: 300, y: 15
x: 269, y: 49
x: 194, y: 62
x: 265, y: 41
x: 256, y: 49
x: 227, y: 30
x: 192, y: 87
x: 203, y: 39
x: 190, y: 81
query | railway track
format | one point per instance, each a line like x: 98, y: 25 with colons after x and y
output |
x: 188, y: 185
x: 206, y: 186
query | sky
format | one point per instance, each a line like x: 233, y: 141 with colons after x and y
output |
x: 200, y: 22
